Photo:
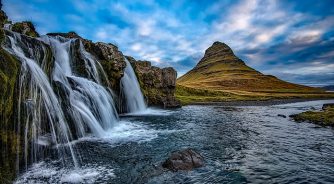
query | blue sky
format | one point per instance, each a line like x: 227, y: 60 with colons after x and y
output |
x: 293, y: 40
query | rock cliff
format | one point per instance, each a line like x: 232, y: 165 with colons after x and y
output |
x: 158, y: 85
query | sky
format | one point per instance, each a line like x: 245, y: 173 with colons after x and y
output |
x: 293, y: 40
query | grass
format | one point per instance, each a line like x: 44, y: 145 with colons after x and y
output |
x: 189, y: 95
x: 325, y: 117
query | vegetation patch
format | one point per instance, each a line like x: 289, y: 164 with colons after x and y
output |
x: 324, y: 117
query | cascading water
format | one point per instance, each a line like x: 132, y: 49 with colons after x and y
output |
x: 130, y: 91
x: 91, y: 104
x: 38, y: 103
x: 56, y: 103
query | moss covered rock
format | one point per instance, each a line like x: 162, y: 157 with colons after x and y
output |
x: 9, y: 139
x: 25, y: 28
x: 158, y: 85
x: 324, y: 117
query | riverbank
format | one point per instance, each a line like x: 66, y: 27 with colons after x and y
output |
x: 259, y: 102
x: 323, y: 118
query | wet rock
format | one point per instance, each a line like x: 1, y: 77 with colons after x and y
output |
x: 186, y: 159
x: 111, y: 59
x: 327, y: 106
x: 158, y: 85
x: 3, y: 18
x: 281, y: 115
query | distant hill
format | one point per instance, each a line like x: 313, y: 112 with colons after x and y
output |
x: 222, y: 73
x: 328, y: 88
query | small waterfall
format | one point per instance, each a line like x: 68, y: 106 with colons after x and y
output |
x: 57, y: 104
x: 130, y: 91
x: 90, y: 103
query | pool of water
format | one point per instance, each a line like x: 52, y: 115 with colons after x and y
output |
x: 250, y: 144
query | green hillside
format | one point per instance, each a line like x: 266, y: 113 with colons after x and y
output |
x: 221, y: 72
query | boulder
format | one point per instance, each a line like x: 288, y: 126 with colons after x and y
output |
x: 186, y: 159
x: 281, y: 115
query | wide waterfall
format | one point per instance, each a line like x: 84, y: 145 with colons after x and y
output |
x: 130, y: 91
x: 56, y: 103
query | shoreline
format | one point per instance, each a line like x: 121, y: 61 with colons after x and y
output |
x: 259, y: 102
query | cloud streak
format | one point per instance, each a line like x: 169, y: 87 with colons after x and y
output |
x: 292, y: 40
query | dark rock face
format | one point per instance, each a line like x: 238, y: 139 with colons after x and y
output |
x: 158, y: 85
x: 9, y: 139
x: 3, y: 18
x: 186, y: 159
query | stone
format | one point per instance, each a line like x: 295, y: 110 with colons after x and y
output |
x: 327, y: 106
x: 282, y: 115
x: 186, y: 159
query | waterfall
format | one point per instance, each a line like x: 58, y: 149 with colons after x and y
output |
x: 56, y: 103
x: 38, y: 104
x: 130, y: 91
x: 90, y: 103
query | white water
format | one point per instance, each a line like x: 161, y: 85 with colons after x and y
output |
x: 38, y: 97
x: 130, y: 91
x: 49, y: 107
x: 90, y: 102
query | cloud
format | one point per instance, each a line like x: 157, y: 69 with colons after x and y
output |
x: 273, y: 36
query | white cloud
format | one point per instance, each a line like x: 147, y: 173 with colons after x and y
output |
x: 145, y: 27
x: 136, y: 47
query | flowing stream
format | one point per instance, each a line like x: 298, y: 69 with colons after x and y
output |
x: 248, y: 144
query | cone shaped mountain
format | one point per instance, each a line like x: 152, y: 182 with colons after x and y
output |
x: 221, y: 69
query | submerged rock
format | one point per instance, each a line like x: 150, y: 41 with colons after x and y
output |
x: 281, y: 115
x: 186, y: 159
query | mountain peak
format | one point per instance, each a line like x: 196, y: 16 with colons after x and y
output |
x: 218, y: 52
x: 219, y: 47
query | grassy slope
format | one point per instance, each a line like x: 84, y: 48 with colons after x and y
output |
x: 224, y: 77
